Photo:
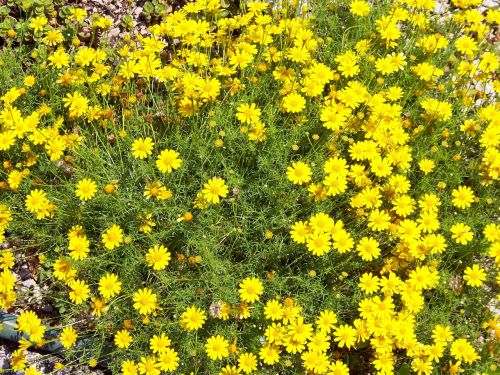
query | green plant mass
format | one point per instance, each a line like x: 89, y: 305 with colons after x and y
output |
x: 252, y: 187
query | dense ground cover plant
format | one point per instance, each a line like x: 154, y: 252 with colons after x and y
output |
x: 282, y: 189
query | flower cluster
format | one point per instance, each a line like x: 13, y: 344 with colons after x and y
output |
x: 275, y: 187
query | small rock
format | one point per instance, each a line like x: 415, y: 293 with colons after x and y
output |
x: 491, y: 3
x: 4, y: 357
x: 114, y: 32
x: 48, y: 308
x: 137, y: 11
x: 24, y: 273
x: 29, y: 283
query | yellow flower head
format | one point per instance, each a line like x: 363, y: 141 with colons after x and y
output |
x: 250, y: 289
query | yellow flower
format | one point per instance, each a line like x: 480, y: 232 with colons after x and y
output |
x: 76, y: 103
x: 217, y: 347
x: 385, y: 65
x: 29, y: 81
x: 299, y: 173
x: 27, y: 320
x: 248, y: 113
x: 145, y: 301
x: 168, y: 360
x: 230, y: 370
x: 98, y: 306
x: 7, y: 140
x: 326, y: 321
x: 38, y: 23
x: 85, y: 56
x: 123, y: 339
x: 109, y: 286
x: 168, y: 160
x: 129, y: 367
x: 461, y: 349
x: 273, y: 310
x: 492, y: 232
x: 159, y: 344
x: 319, y: 243
x: 32, y: 371
x: 299, y: 331
x: 379, y: 220
x: 149, y: 366
x: 247, y: 362
x: 113, y: 237
x: 294, y: 103
x: 369, y: 283
x: 340, y: 368
x: 145, y: 223
x: 463, y: 197
x: 359, y: 8
x: 215, y: 189
x: 158, y: 257
x: 78, y: 14
x: 442, y: 334
x: 59, y: 59
x: 53, y: 37
x: 86, y: 189
x: 421, y: 367
x: 461, y: 233
x: 193, y: 318
x: 250, y: 289
x: 436, y: 109
x: 404, y: 205
x: 63, y: 269
x: 59, y: 366
x: 7, y: 259
x: 427, y: 165
x: 474, y: 275
x: 36, y: 200
x: 345, y: 335
x: 80, y: 291
x: 466, y: 45
x: 68, y: 337
x: 270, y: 354
x: 18, y: 361
x: 142, y: 147
x: 300, y: 231
x: 78, y: 247
x: 368, y: 248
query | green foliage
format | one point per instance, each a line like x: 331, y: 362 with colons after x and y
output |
x: 248, y: 233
